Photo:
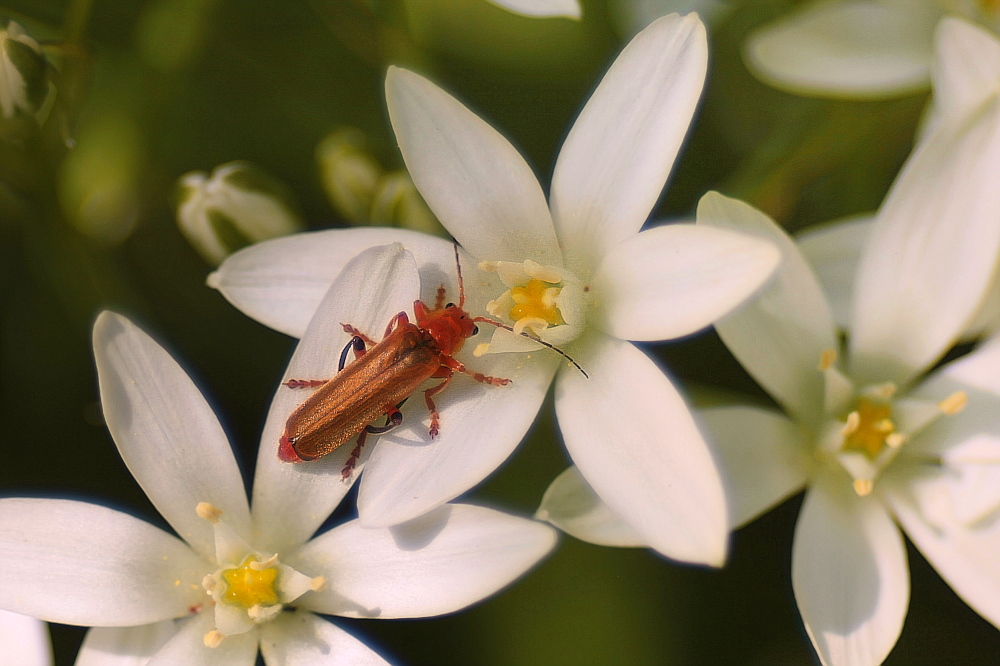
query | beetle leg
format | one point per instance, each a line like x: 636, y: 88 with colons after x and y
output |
x: 304, y: 383
x: 394, y: 418
x: 345, y: 473
x: 400, y: 318
x: 457, y: 366
x: 435, y: 417
x: 358, y: 344
x: 358, y: 334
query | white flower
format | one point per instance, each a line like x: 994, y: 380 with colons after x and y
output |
x: 857, y: 48
x: 581, y: 276
x: 541, y: 8
x: 237, y: 205
x: 239, y: 579
x: 25, y: 641
x: 23, y: 81
x: 871, y: 440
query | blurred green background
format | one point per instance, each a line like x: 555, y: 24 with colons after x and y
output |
x: 150, y: 90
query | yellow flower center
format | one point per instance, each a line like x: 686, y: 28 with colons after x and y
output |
x: 250, y: 584
x: 869, y: 428
x: 536, y: 300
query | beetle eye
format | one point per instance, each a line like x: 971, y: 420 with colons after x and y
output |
x: 475, y: 330
x: 450, y: 305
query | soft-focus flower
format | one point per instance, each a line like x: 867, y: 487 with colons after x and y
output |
x: 23, y: 80
x: 541, y: 8
x: 857, y: 48
x: 25, y: 641
x: 238, y: 204
x: 631, y: 16
x: 239, y: 579
x: 871, y: 439
x: 581, y: 277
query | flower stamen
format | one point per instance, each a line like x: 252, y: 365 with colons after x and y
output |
x: 954, y: 403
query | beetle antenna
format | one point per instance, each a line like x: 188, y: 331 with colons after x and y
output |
x: 461, y: 283
x: 534, y: 339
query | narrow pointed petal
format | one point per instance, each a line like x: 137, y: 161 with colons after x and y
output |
x: 440, y: 563
x: 617, y: 157
x: 302, y: 639
x: 188, y: 647
x: 25, y: 640
x: 780, y: 334
x: 541, y: 8
x: 763, y: 457
x: 78, y: 563
x: 409, y: 474
x: 849, y: 574
x: 476, y: 183
x: 966, y: 65
x: 166, y: 432
x: 572, y: 505
x: 635, y: 441
x: 281, y: 282
x: 125, y: 646
x: 965, y: 555
x: 931, y: 256
x: 847, y: 49
x: 677, y: 279
x: 833, y: 251
x: 291, y: 500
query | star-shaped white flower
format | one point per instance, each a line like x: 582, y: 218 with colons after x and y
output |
x: 856, y: 48
x: 237, y: 580
x: 871, y: 440
x: 579, y: 275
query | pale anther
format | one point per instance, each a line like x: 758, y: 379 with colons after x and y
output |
x: 481, y: 349
x: 261, y: 613
x: 885, y: 391
x: 209, y: 583
x: 209, y: 512
x: 851, y: 425
x: 266, y: 564
x: 539, y: 272
x: 213, y: 639
x: 895, y: 440
x: 827, y: 358
x: 318, y: 583
x: 954, y: 403
x: 885, y: 425
x: 863, y: 487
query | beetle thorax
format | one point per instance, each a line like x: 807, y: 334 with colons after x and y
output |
x: 448, y: 327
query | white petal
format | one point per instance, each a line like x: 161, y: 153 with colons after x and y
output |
x: 442, y: 562
x: 677, y: 279
x: 166, y: 432
x: 302, y: 639
x: 847, y: 49
x: 763, y: 457
x: 291, y: 500
x: 781, y: 332
x: 544, y: 8
x: 409, y: 474
x: 964, y: 555
x: 78, y: 563
x: 932, y: 251
x: 125, y: 646
x: 188, y: 647
x: 622, y: 147
x: 25, y: 641
x: 476, y: 183
x: 636, y: 443
x: 966, y: 66
x: 281, y: 282
x: 572, y: 505
x: 849, y: 574
x: 833, y: 251
x: 980, y: 368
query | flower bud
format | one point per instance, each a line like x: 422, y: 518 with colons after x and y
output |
x: 23, y: 82
x: 237, y: 205
x: 397, y: 203
x: 349, y: 173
